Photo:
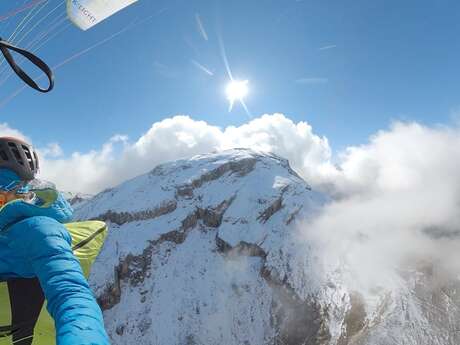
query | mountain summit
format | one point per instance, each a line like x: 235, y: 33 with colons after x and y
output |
x: 209, y: 251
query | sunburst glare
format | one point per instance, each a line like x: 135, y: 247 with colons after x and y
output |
x: 237, y: 90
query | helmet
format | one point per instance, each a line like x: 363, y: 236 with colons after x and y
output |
x: 19, y: 157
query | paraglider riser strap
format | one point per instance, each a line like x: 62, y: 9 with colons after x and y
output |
x: 5, y: 48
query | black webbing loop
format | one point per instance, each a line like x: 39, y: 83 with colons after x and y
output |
x: 26, y: 301
x: 5, y: 47
x: 8, y: 331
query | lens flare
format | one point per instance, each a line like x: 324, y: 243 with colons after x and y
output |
x: 236, y: 91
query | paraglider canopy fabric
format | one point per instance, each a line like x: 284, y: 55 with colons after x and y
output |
x: 87, y: 13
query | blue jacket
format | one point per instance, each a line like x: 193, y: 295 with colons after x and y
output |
x: 34, y: 243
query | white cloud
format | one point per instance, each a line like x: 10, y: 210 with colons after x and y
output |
x: 399, y: 204
x: 52, y: 150
x: 308, y: 153
x: 182, y: 137
x: 7, y: 131
x: 397, y: 197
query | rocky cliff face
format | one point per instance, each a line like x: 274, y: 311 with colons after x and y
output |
x: 208, y: 251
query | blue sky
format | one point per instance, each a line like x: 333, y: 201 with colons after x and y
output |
x: 386, y: 60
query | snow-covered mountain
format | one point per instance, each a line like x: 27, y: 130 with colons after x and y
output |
x: 209, y: 251
x: 76, y: 199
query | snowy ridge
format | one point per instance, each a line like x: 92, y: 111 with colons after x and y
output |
x: 207, y: 251
x: 76, y: 200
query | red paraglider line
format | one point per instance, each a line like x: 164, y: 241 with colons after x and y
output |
x: 20, y: 9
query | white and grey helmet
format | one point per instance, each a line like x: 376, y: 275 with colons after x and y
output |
x: 19, y: 157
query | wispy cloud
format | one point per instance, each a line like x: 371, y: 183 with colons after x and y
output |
x: 202, y: 68
x: 52, y: 150
x: 332, y: 46
x: 201, y: 28
x: 164, y: 70
x: 314, y: 80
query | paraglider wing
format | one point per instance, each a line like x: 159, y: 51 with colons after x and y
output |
x: 87, y: 13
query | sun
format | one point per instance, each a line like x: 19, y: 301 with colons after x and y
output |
x: 237, y: 90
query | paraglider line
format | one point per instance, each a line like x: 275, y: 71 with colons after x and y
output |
x: 20, y: 9
x: 36, y: 42
x: 22, y: 22
x: 84, y: 51
x: 105, y: 40
x: 23, y: 25
x: 47, y: 39
x: 4, y: 80
x: 55, y: 23
x: 13, y: 95
x: 39, y: 22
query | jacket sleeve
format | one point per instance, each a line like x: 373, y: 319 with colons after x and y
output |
x: 47, y: 245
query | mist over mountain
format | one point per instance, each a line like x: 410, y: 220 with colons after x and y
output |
x: 236, y: 248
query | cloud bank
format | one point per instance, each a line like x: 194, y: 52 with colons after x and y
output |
x: 397, y: 207
x: 395, y: 199
x: 181, y: 137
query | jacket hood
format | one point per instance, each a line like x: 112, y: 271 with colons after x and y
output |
x: 48, y: 203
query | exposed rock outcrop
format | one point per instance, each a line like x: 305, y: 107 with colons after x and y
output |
x: 206, y: 251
